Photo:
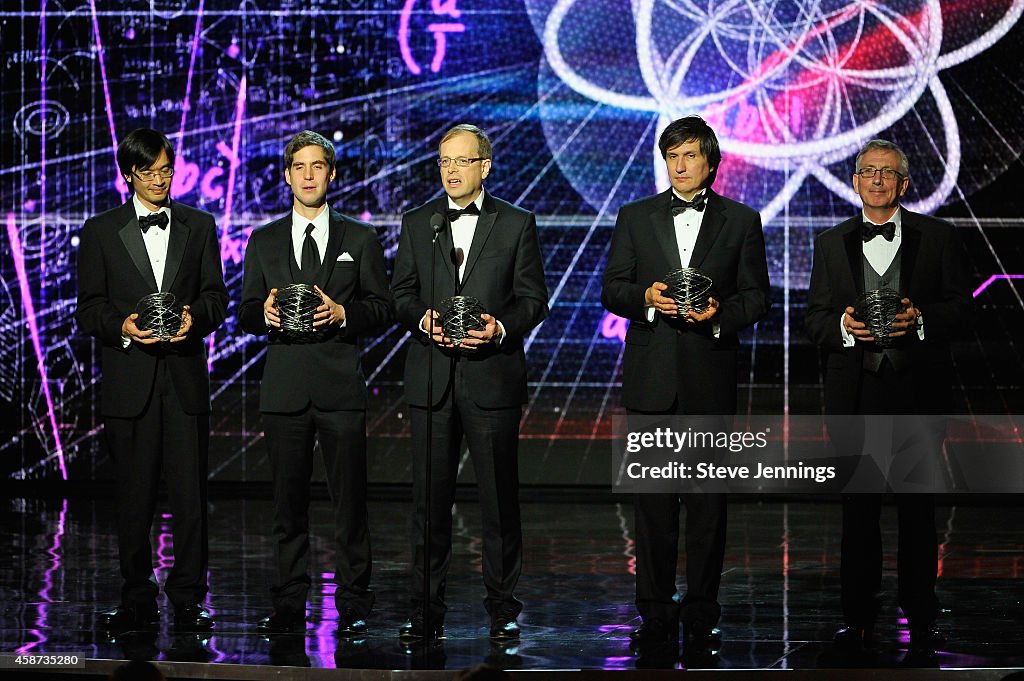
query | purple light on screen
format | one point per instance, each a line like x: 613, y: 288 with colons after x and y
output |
x: 188, y: 80
x: 121, y: 187
x: 988, y: 282
x: 33, y: 329
x: 233, y: 50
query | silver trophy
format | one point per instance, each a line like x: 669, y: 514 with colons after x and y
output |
x: 460, y: 315
x: 159, y: 313
x: 296, y: 306
x: 690, y: 288
x: 878, y: 309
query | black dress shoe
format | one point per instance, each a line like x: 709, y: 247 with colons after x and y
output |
x: 125, y: 617
x: 853, y: 639
x: 925, y: 639
x: 504, y: 628
x: 282, y: 622
x: 192, y: 618
x: 701, y: 637
x: 350, y: 625
x: 415, y: 628
x: 655, y: 631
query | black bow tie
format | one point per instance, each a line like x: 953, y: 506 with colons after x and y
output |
x: 454, y: 213
x: 679, y: 205
x: 870, y: 230
x: 153, y: 220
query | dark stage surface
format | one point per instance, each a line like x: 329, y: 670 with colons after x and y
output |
x: 780, y: 593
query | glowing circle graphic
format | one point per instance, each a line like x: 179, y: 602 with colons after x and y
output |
x: 792, y: 88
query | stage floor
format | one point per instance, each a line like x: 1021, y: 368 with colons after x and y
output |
x: 779, y: 591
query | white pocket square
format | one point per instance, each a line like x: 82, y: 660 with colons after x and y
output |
x: 345, y: 257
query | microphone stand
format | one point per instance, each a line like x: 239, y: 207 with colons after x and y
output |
x: 437, y: 221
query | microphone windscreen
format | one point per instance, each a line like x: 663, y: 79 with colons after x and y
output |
x: 437, y: 223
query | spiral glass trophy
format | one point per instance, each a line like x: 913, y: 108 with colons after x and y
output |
x: 296, y: 306
x: 159, y: 313
x: 878, y: 309
x: 460, y: 315
x: 690, y: 288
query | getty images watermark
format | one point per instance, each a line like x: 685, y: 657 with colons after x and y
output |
x: 818, y: 454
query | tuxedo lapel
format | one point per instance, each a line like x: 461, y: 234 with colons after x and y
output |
x: 484, y: 225
x: 176, y: 240
x: 855, y: 255
x: 445, y: 243
x: 131, y: 237
x: 664, y: 230
x: 336, y: 234
x: 910, y: 243
x: 710, y: 227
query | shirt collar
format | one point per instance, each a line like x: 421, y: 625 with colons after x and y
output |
x: 321, y: 222
x: 896, y: 219
x: 479, y: 201
x: 141, y: 210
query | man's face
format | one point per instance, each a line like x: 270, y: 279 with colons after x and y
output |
x: 463, y: 184
x: 152, y: 190
x: 688, y: 168
x: 308, y: 176
x: 876, y: 192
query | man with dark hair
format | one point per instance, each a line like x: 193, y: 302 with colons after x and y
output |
x: 920, y: 257
x: 487, y: 249
x: 683, y: 364
x: 155, y: 393
x: 313, y: 387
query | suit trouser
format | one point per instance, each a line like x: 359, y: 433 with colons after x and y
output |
x: 290, y: 444
x: 861, y: 551
x: 161, y: 439
x: 492, y: 436
x: 657, y: 553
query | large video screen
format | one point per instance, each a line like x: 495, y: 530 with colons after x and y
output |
x: 574, y: 94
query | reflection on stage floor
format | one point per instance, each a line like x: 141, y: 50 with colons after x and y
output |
x: 779, y: 590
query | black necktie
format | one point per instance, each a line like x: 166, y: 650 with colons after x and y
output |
x: 454, y: 213
x: 870, y: 230
x: 679, y: 205
x: 153, y: 220
x: 310, y: 256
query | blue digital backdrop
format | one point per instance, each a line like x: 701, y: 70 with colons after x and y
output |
x: 574, y: 94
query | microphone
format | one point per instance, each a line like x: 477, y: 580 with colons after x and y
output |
x: 437, y: 224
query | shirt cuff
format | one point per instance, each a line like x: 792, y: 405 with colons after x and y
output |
x: 650, y: 313
x: 920, y: 327
x: 848, y: 339
x: 125, y: 342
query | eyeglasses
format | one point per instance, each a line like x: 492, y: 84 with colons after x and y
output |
x: 150, y: 175
x: 869, y: 173
x: 460, y: 161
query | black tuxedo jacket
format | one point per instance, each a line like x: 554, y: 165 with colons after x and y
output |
x: 504, y: 270
x: 668, y: 359
x: 326, y: 371
x: 933, y: 273
x: 114, y: 273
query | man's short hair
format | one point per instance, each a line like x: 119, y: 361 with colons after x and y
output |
x: 687, y: 129
x: 308, y: 138
x: 140, y: 149
x: 884, y: 145
x: 483, y: 141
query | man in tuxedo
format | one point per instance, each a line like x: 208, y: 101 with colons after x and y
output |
x: 683, y: 364
x: 313, y: 387
x: 155, y: 393
x: 487, y: 249
x: 887, y: 246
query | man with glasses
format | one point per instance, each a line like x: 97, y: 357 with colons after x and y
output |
x: 920, y: 257
x: 487, y: 249
x: 313, y: 387
x: 155, y: 393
